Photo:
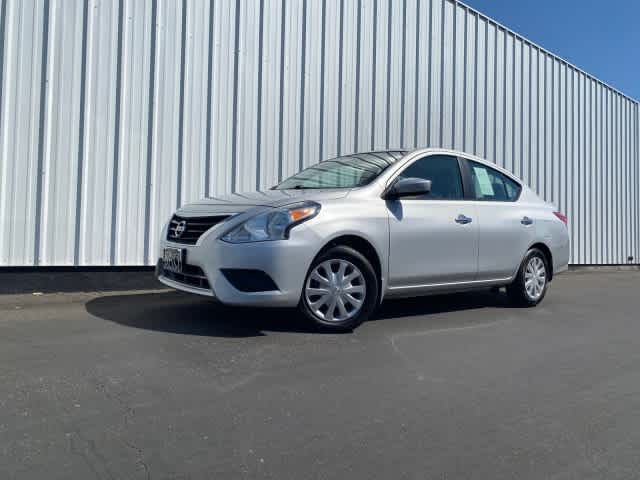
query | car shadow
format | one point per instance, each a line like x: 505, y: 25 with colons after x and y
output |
x: 180, y: 313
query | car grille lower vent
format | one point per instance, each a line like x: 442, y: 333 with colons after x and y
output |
x: 189, y: 229
x: 190, y: 275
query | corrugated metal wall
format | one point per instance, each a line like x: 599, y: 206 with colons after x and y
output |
x: 114, y: 112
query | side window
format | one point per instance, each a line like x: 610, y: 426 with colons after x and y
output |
x: 491, y: 185
x: 444, y: 173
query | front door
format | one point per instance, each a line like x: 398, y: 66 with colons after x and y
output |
x: 433, y: 237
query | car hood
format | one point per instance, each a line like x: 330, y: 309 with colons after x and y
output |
x: 239, y: 202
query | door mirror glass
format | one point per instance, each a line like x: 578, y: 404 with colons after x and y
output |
x: 409, y: 187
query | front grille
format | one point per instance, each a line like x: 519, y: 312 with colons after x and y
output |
x: 190, y: 275
x: 189, y: 229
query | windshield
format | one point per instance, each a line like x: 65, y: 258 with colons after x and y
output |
x: 342, y: 172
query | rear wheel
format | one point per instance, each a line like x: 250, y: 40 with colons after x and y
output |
x: 340, y: 290
x: 531, y: 284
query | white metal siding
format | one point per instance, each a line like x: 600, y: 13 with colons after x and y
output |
x: 115, y: 112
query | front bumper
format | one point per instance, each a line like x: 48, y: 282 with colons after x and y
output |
x: 285, y: 261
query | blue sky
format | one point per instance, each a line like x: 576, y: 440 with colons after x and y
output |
x: 600, y: 37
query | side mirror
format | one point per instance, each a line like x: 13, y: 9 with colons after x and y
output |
x: 409, y: 187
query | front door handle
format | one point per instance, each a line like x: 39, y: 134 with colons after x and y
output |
x: 526, y: 221
x: 463, y: 219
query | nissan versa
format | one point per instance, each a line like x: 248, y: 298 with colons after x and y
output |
x: 339, y: 237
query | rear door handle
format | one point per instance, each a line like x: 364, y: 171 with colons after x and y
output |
x: 463, y: 219
x: 526, y: 221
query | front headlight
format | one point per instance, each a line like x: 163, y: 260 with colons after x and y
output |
x: 272, y: 225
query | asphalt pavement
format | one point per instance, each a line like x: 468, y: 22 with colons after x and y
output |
x: 157, y: 384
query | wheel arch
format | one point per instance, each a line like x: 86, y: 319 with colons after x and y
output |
x: 546, y: 251
x: 361, y: 245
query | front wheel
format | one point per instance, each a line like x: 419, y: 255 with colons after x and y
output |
x: 532, y: 281
x: 340, y: 290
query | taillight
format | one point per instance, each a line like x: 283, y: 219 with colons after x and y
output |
x: 562, y: 217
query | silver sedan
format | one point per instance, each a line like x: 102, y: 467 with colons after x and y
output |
x: 339, y: 237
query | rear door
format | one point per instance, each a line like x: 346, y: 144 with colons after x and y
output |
x: 433, y: 237
x: 505, y: 225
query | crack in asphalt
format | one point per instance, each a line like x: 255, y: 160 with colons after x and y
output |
x: 128, y: 415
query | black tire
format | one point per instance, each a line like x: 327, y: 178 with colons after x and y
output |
x: 369, y: 302
x: 517, y: 292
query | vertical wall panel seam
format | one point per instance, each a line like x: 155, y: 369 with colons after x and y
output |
x: 512, y: 161
x: 234, y: 112
x: 441, y: 123
x: 356, y: 119
x: 553, y: 96
x: 416, y: 60
x: 486, y: 88
x: 618, y: 190
x: 579, y: 239
x: 627, y: 198
x: 503, y: 160
x: 403, y: 70
x: 513, y: 107
x: 464, y: 84
x: 116, y: 140
x: 303, y: 71
x: 495, y: 95
x: 537, y: 119
x: 150, y: 127
x: 210, y: 59
x: 592, y: 136
x: 619, y: 172
x: 323, y: 40
x: 613, y: 189
x: 283, y: 31
x: 389, y: 65
x: 605, y: 170
x: 629, y: 177
x: 601, y: 169
x: 183, y: 60
x: 374, y: 72
x: 542, y: 165
x: 44, y: 81
x: 403, y: 47
x: 259, y: 95
x: 521, y: 108
x: 3, y: 23
x: 454, y: 49
x: 619, y: 154
x: 81, y: 125
x: 476, y: 41
x: 566, y: 139
x: 531, y: 50
x: 340, y: 75
x: 429, y: 71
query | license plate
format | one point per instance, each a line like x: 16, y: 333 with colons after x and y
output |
x: 172, y: 259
